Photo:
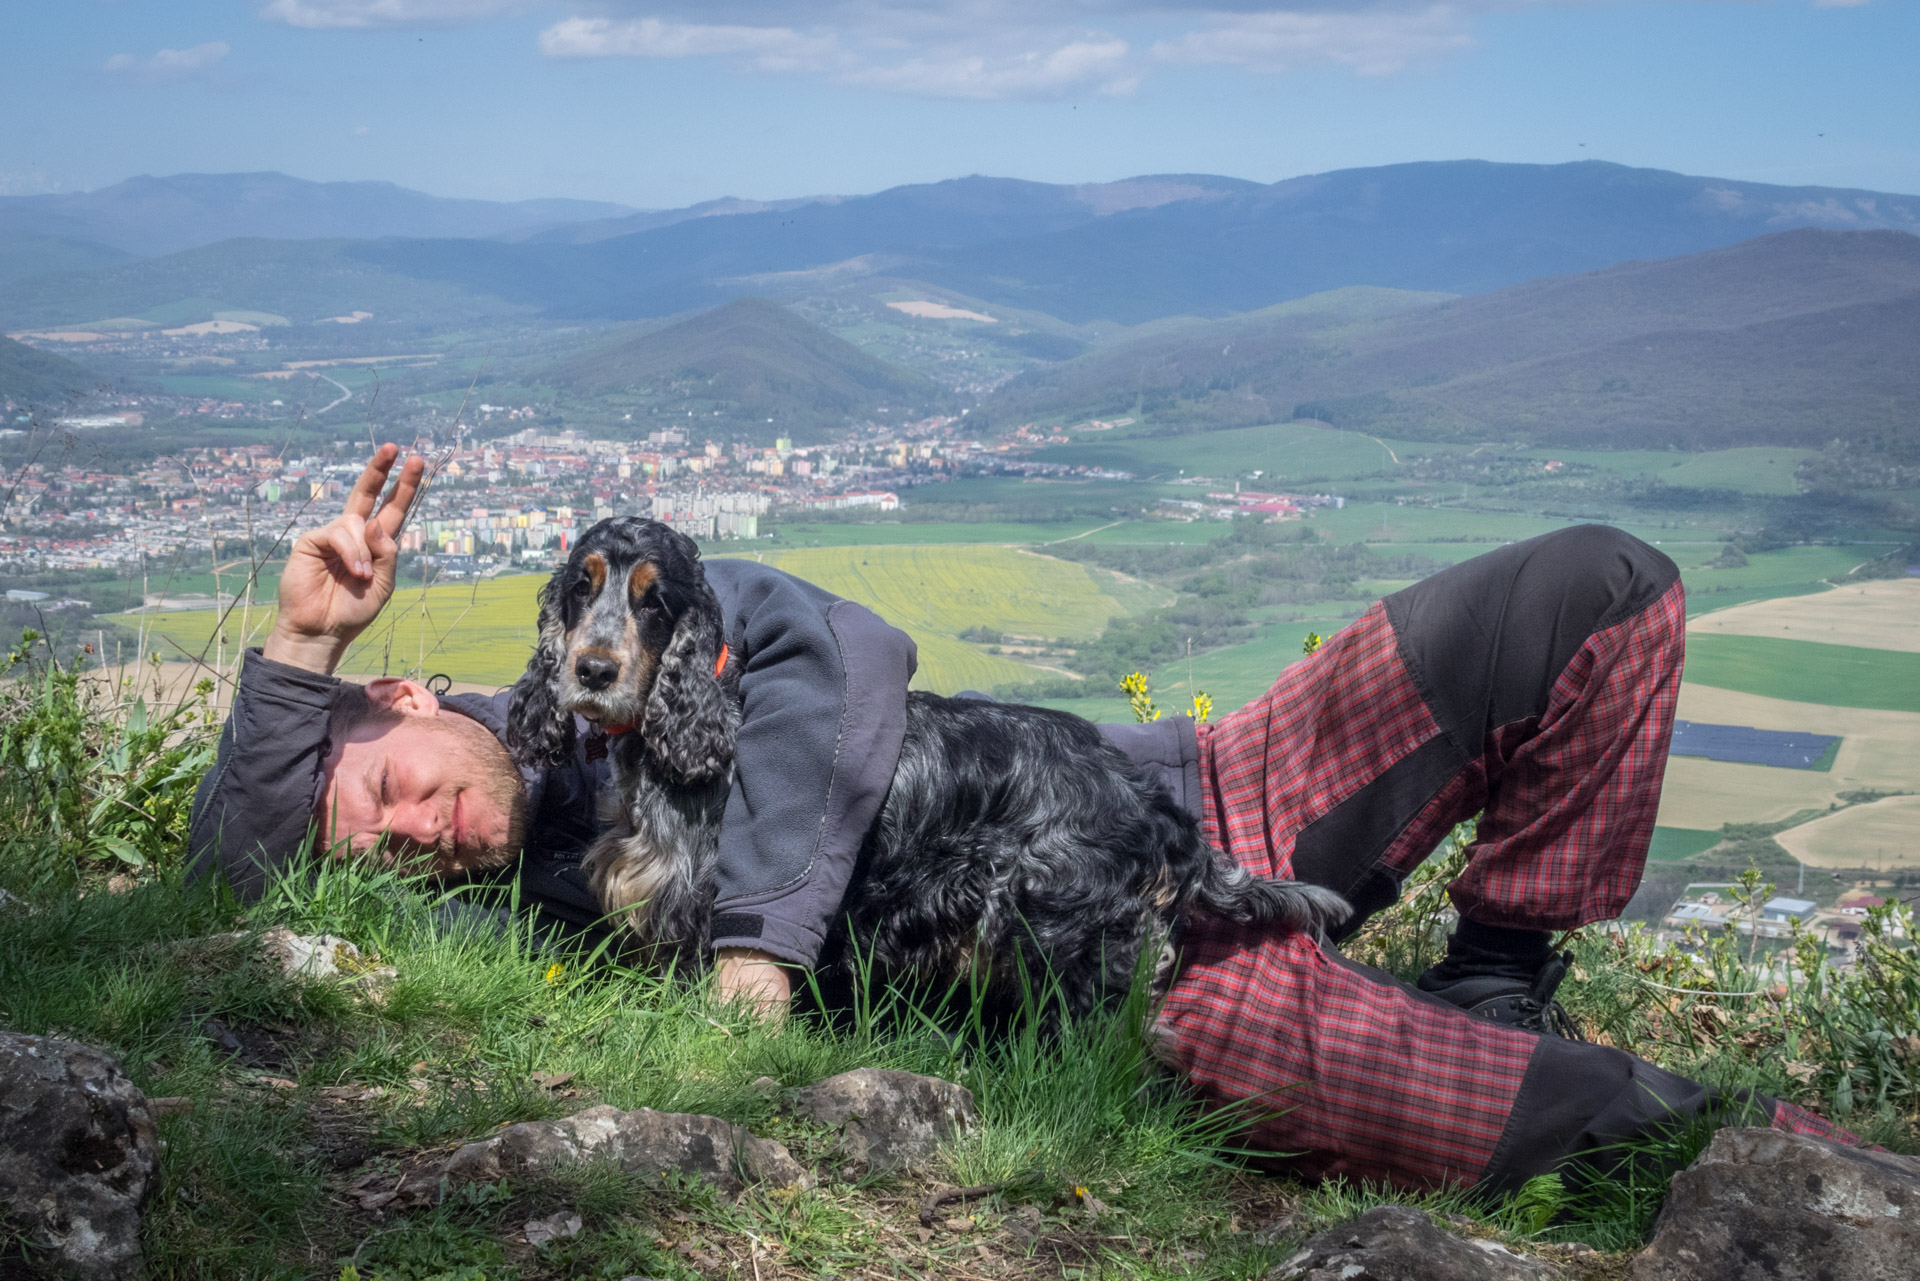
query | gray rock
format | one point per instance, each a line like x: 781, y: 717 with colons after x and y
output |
x: 1765, y: 1203
x: 640, y: 1142
x: 1394, y: 1243
x: 78, y: 1155
x: 556, y: 1226
x: 887, y: 1120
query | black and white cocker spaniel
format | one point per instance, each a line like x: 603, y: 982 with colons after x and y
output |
x: 1016, y: 845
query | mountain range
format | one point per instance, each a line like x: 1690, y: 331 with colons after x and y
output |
x: 1113, y: 253
x: 1795, y: 338
x: 147, y: 216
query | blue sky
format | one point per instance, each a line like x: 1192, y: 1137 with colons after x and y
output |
x: 662, y: 104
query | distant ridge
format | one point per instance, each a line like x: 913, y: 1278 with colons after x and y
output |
x: 1797, y: 338
x: 741, y: 364
x: 1097, y: 254
x: 39, y: 379
x: 148, y: 216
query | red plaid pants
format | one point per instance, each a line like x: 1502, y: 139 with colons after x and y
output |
x: 1358, y: 760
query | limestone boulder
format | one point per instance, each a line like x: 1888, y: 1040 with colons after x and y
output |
x: 1788, y: 1207
x: 1397, y: 1243
x: 78, y: 1156
x: 887, y: 1120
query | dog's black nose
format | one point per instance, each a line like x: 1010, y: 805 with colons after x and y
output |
x: 596, y: 673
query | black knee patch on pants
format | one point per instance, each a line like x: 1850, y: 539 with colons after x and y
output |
x: 1486, y: 639
x: 1580, y: 1102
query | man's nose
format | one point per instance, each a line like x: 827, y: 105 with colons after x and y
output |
x: 419, y: 823
x: 594, y: 672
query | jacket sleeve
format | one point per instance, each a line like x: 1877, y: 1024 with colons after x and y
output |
x: 254, y: 811
x: 824, y: 690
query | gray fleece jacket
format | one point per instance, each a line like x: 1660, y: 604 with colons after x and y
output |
x: 823, y: 683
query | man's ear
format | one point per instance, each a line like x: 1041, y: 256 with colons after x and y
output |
x: 397, y: 694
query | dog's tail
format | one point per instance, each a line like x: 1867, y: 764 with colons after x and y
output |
x: 1232, y: 893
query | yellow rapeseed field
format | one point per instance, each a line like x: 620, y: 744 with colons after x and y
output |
x: 482, y: 632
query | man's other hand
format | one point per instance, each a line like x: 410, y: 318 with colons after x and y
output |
x: 756, y: 979
x: 339, y: 576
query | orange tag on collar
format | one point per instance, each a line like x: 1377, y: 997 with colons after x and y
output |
x: 720, y: 663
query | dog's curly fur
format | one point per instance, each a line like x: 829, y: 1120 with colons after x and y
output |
x: 1016, y: 843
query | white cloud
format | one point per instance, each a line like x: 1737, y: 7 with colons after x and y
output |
x: 168, y: 64
x: 918, y: 55
x: 1081, y: 66
x: 978, y: 49
x: 350, y: 14
x: 1372, y: 42
x: 769, y: 48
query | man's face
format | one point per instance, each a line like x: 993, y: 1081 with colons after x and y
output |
x: 435, y: 783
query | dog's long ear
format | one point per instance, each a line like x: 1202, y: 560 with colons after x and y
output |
x: 691, y: 722
x: 539, y: 729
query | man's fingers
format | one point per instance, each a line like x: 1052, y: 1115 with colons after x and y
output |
x: 366, y: 490
x: 349, y: 548
x: 393, y: 512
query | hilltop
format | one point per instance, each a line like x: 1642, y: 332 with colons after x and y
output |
x: 1794, y: 338
x: 33, y: 377
x: 749, y: 361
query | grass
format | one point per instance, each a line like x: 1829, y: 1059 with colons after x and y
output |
x: 301, y: 1091
x: 1807, y: 671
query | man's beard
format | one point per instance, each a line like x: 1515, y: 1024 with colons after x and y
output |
x: 477, y: 755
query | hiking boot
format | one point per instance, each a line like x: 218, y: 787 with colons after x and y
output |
x: 1510, y: 999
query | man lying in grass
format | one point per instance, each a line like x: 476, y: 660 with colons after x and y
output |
x: 1534, y: 685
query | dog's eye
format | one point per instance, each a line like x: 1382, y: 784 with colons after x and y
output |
x: 582, y: 588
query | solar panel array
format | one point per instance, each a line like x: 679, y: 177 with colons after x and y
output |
x: 1786, y: 749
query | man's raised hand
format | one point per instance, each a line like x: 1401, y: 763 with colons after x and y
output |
x: 338, y: 577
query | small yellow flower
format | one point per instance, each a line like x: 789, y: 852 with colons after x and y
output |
x: 554, y: 972
x: 1135, y: 687
x: 1313, y: 643
x: 1202, y: 705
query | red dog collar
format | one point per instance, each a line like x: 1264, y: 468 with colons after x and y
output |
x: 719, y: 665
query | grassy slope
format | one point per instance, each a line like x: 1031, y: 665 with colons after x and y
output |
x: 32, y: 376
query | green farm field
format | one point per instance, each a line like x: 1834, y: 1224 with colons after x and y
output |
x: 482, y: 632
x: 1291, y: 453
x: 1755, y: 469
x: 892, y: 532
x: 1807, y: 671
x: 1787, y: 571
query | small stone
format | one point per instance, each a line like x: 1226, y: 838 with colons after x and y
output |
x: 764, y: 1086
x: 642, y: 1141
x: 551, y: 1080
x: 1023, y: 1224
x: 1396, y: 1243
x: 888, y: 1120
x: 78, y: 1155
x: 559, y: 1224
x: 957, y: 1225
x: 1279, y: 1230
x: 171, y: 1105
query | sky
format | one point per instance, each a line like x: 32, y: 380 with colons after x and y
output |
x: 661, y: 103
